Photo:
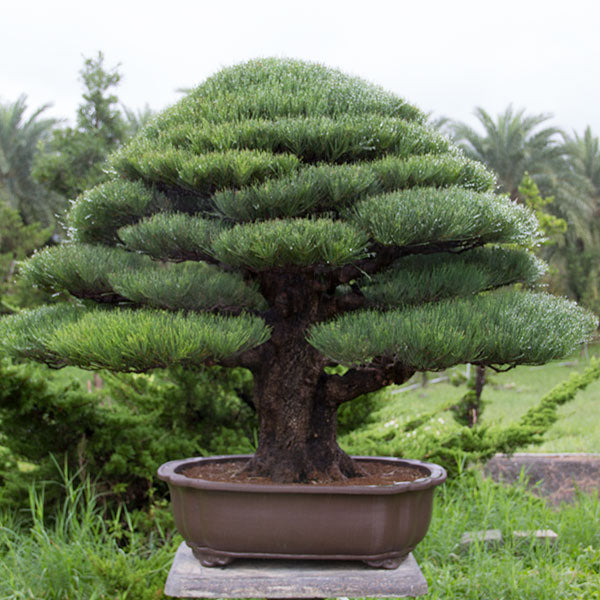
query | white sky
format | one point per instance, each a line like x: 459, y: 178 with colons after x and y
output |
x: 446, y: 56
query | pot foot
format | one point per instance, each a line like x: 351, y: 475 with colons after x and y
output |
x: 209, y: 559
x: 387, y: 563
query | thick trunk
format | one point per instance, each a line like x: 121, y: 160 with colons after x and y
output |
x: 297, y: 422
x: 295, y: 399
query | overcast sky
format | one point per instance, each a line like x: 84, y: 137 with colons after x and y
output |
x: 446, y: 56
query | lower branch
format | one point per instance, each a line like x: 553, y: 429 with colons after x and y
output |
x: 362, y: 380
x: 249, y: 359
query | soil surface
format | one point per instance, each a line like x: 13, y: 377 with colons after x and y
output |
x: 376, y: 473
x: 556, y: 477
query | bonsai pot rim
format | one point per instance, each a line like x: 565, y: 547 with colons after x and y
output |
x: 171, y: 473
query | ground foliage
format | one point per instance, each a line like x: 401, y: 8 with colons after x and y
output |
x: 84, y: 553
x: 518, y: 569
x: 119, y: 433
x: 81, y: 550
x: 429, y: 435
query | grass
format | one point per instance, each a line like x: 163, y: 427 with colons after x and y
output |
x: 515, y: 570
x: 577, y: 427
x: 77, y: 554
x: 509, y: 395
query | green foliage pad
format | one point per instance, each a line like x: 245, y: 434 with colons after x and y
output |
x: 129, y: 340
x: 187, y: 286
x: 455, y: 216
x: 431, y: 277
x: 299, y: 242
x: 500, y: 328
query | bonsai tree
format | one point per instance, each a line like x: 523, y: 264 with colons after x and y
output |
x: 287, y: 218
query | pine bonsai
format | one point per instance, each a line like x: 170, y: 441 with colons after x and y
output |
x: 287, y: 218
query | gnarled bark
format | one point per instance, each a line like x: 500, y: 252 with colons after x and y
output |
x: 297, y: 422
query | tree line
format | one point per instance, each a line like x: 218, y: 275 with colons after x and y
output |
x: 44, y: 164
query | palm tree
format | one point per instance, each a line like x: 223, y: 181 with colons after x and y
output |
x: 19, y: 140
x: 516, y: 144
x: 512, y: 145
x: 582, y: 249
x: 584, y: 152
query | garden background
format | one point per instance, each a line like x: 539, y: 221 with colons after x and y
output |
x: 81, y: 513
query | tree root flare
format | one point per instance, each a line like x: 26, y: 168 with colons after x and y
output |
x: 294, y: 471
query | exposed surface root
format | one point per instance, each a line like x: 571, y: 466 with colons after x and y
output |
x: 303, y: 470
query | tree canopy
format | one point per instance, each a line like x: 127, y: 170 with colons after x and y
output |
x: 286, y: 217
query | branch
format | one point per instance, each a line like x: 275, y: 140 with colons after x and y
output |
x: 500, y: 369
x: 353, y: 300
x: 187, y: 255
x: 383, y: 256
x: 249, y: 359
x: 362, y: 380
x: 104, y: 298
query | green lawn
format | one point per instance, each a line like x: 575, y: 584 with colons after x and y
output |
x: 509, y: 395
x: 515, y: 570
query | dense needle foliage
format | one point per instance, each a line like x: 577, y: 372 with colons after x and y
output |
x: 319, y: 221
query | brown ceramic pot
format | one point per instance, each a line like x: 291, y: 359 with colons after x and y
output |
x: 377, y: 524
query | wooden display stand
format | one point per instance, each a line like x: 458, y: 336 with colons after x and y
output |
x: 291, y: 579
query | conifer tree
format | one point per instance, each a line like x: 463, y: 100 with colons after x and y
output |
x: 72, y: 160
x: 287, y: 218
